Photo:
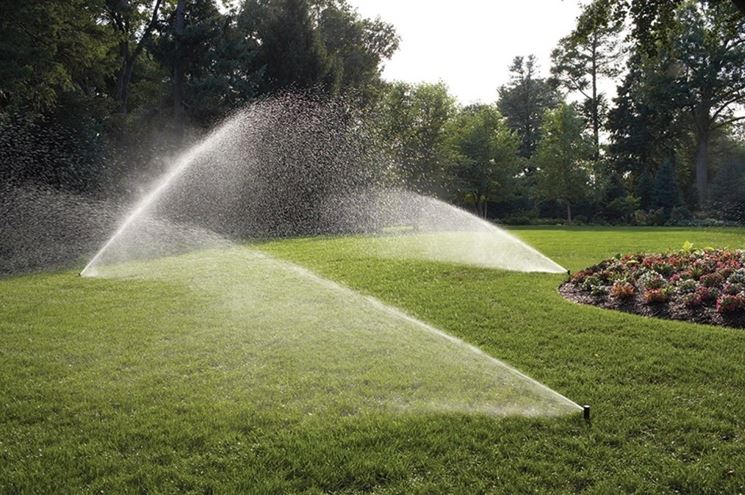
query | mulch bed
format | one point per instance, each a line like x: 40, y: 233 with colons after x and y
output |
x: 700, y: 286
x: 670, y: 310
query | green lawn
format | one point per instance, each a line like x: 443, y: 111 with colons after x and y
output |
x: 153, y: 383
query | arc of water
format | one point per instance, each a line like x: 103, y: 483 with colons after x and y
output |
x: 551, y: 265
x: 179, y: 167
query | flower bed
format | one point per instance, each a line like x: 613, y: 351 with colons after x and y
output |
x: 703, y: 286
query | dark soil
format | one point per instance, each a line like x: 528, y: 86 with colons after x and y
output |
x: 669, y: 310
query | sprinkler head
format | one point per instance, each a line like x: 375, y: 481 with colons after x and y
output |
x: 586, y: 412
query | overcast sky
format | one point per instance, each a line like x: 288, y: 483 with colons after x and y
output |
x: 469, y: 44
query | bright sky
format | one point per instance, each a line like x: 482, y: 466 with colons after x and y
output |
x: 469, y: 44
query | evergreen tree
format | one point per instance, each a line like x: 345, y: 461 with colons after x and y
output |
x: 645, y: 189
x: 292, y: 52
x: 524, y: 102
x: 666, y: 191
x: 590, y: 53
x: 728, y: 191
x: 614, y: 189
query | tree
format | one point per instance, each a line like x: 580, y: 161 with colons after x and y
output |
x: 416, y: 118
x: 645, y: 189
x: 486, y: 156
x: 178, y: 67
x: 133, y: 22
x: 706, y: 59
x: 357, y: 47
x: 291, y: 50
x: 666, y: 190
x: 524, y: 101
x: 728, y: 190
x: 650, y: 22
x: 562, y: 158
x: 212, y: 60
x: 50, y: 48
x: 589, y: 53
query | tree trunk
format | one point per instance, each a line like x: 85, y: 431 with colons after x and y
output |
x: 702, y: 167
x: 128, y: 56
x: 595, y: 103
x: 178, y: 71
x: 122, y: 80
x: 569, y: 213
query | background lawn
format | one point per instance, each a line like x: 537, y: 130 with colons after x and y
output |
x: 124, y: 385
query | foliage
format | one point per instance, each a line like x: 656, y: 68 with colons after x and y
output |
x: 486, y: 156
x: 113, y: 83
x: 525, y: 100
x: 415, y: 119
x: 220, y: 63
x: 590, y: 53
x: 50, y: 48
x: 705, y: 64
x: 728, y: 191
x: 666, y: 191
x: 562, y: 158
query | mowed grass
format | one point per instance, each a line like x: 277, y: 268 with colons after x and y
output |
x: 130, y: 386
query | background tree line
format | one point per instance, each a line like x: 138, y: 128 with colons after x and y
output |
x: 92, y: 91
x: 667, y: 149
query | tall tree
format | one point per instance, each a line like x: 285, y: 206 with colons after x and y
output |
x: 178, y: 68
x: 416, y: 118
x: 291, y: 50
x: 563, y: 158
x: 524, y: 101
x: 357, y: 47
x: 645, y: 189
x: 650, y: 22
x: 707, y: 62
x: 591, y: 52
x: 645, y: 124
x: 486, y: 156
x: 134, y: 22
x: 728, y: 190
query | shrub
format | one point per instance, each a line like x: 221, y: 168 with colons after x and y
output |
x: 590, y: 282
x: 622, y: 290
x: 737, y: 277
x: 707, y: 294
x: 652, y: 280
x: 599, y: 290
x: 729, y: 304
x: 680, y: 215
x: 692, y: 300
x: 733, y: 289
x: 687, y: 286
x: 655, y: 296
x: 712, y: 279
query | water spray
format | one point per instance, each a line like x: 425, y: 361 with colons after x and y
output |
x: 179, y: 167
